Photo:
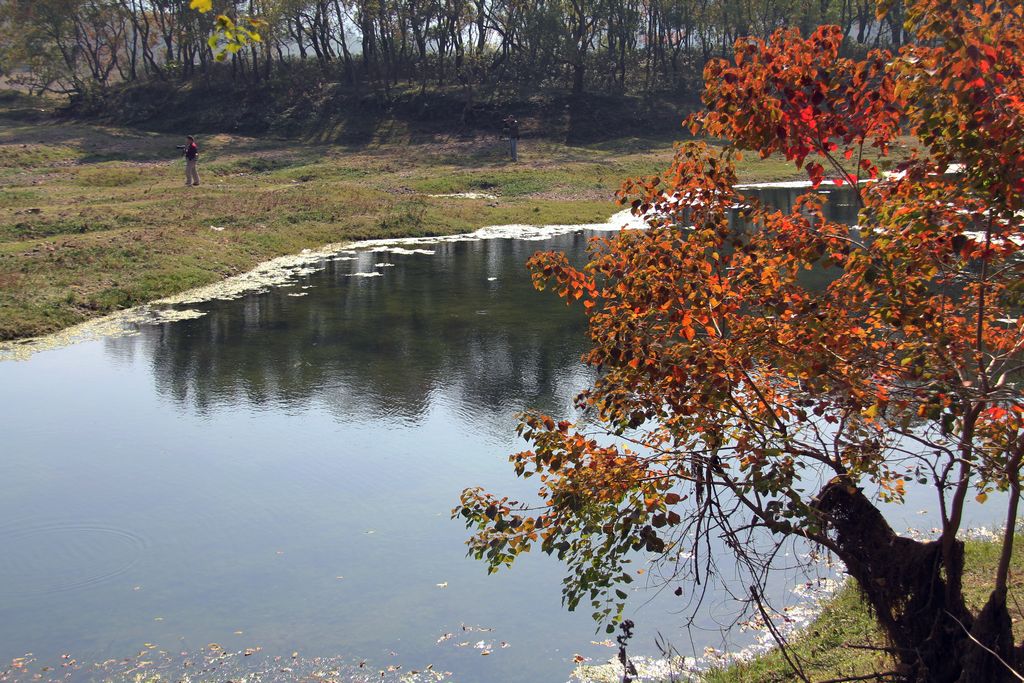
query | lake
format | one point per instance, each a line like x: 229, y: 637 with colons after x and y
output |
x: 276, y: 477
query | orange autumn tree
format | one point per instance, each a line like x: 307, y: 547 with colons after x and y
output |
x: 766, y: 374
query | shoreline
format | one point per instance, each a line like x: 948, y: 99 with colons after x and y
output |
x: 278, y: 272
x: 800, y: 623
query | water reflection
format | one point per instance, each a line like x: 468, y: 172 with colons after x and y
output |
x: 463, y: 325
x: 290, y: 462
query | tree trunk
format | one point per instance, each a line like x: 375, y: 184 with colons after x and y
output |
x: 916, y: 596
x: 994, y: 628
x: 578, y: 73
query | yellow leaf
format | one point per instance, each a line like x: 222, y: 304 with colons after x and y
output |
x: 981, y: 497
x: 201, y: 5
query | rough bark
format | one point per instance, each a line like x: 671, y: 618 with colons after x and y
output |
x: 919, y: 605
x: 994, y: 628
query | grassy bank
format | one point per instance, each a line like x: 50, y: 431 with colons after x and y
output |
x: 96, y: 218
x: 844, y: 641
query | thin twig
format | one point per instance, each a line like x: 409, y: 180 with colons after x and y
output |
x: 865, y: 677
x: 779, y: 640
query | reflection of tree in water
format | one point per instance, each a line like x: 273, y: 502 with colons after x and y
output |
x: 385, y: 346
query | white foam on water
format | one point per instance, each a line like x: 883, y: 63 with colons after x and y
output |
x: 121, y: 324
x: 784, y: 184
x: 464, y: 195
x: 401, y: 250
x: 825, y: 185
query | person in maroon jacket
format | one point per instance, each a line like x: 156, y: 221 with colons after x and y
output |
x: 511, y: 130
x: 191, y: 158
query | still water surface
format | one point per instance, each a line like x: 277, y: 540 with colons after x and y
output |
x: 285, y: 466
x: 279, y: 474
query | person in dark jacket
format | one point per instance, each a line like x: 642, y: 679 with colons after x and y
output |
x: 511, y: 130
x: 191, y: 158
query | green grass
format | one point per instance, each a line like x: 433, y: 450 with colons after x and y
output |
x: 825, y: 651
x: 502, y: 183
x: 18, y: 198
x: 250, y: 165
x: 28, y: 155
x: 108, y: 175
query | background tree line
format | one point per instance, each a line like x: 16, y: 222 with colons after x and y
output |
x: 608, y: 46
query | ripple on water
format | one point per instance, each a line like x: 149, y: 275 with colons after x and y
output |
x: 54, y: 557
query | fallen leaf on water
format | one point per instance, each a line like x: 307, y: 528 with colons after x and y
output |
x: 251, y: 651
x: 443, y: 585
x: 482, y: 629
x: 214, y: 646
x: 579, y: 659
x: 445, y: 637
x: 504, y: 645
x: 484, y: 653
